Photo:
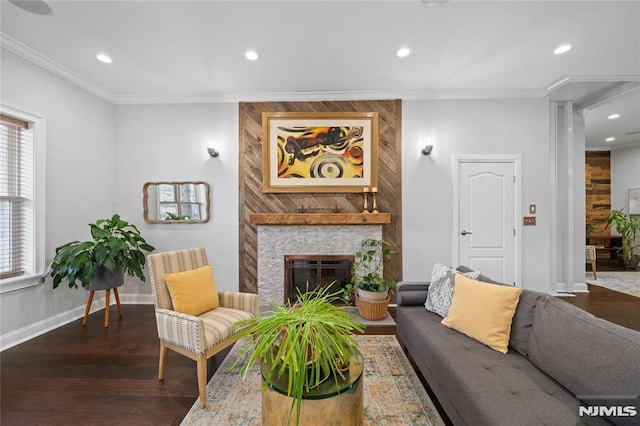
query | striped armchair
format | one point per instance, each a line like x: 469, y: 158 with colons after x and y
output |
x: 196, y: 337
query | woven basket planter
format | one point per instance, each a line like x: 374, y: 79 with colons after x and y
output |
x: 373, y: 311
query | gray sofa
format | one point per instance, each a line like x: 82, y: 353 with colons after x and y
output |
x: 559, y: 358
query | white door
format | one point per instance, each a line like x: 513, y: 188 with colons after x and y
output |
x: 486, y: 218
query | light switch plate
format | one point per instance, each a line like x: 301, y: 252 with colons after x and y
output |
x: 532, y: 208
x: 529, y: 221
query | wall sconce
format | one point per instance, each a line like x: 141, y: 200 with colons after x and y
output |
x: 212, y: 152
x: 427, y: 150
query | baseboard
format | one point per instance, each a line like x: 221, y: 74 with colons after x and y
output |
x: 36, y: 329
x: 580, y: 288
x: 136, y: 299
x: 561, y: 289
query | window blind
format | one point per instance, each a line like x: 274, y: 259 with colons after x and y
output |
x: 16, y: 197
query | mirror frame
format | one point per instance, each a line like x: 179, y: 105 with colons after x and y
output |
x: 145, y: 199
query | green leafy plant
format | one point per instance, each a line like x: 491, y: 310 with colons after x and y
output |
x: 628, y: 227
x: 115, y: 243
x: 366, y: 272
x: 309, y: 341
x: 172, y: 216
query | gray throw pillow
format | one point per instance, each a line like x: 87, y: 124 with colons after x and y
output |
x: 441, y: 288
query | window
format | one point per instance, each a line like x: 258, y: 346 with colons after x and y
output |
x: 21, y: 242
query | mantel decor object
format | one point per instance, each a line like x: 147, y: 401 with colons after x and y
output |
x: 365, y: 194
x: 374, y: 193
x: 319, y: 152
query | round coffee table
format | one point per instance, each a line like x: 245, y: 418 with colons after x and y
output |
x: 333, y: 402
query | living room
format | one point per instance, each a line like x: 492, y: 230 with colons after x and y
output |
x: 111, y: 128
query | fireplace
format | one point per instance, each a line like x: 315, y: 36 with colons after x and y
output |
x: 313, y: 271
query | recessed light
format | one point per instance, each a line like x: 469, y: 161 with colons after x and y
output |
x: 610, y: 139
x: 563, y: 48
x: 434, y: 2
x: 613, y: 116
x: 403, y: 52
x: 252, y: 55
x: 104, y: 58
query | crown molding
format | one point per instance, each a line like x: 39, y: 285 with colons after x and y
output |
x: 590, y: 79
x: 305, y: 96
x: 24, y: 51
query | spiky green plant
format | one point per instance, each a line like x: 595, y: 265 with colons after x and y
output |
x: 308, y: 341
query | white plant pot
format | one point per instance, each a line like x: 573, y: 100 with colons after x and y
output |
x: 373, y: 296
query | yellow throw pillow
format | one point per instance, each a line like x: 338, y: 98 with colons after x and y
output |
x: 483, y: 311
x: 193, y: 292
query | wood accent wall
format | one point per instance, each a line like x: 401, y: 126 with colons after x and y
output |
x: 253, y: 200
x: 598, y: 194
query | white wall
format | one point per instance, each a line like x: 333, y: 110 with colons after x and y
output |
x: 471, y: 127
x: 79, y: 181
x: 625, y: 174
x: 168, y: 143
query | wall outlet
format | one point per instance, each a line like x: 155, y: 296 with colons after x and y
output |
x: 529, y: 221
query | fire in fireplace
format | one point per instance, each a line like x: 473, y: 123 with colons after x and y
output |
x: 315, y: 271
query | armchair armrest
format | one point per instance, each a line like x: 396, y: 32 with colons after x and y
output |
x: 182, y: 330
x: 238, y: 300
x: 411, y: 293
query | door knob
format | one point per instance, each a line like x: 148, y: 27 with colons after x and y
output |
x: 464, y: 232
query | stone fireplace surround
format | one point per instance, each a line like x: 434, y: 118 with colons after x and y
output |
x: 304, y: 234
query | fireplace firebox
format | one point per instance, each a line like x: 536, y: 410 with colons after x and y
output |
x: 313, y: 271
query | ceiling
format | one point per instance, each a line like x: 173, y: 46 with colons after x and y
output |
x: 193, y: 51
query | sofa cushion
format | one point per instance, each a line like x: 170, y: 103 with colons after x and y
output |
x: 483, y: 311
x: 441, y: 288
x: 193, y: 292
x: 596, y: 360
x: 523, y: 321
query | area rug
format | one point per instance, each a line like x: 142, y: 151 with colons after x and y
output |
x: 393, y: 394
x: 624, y: 282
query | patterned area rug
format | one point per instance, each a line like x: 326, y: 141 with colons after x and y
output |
x: 624, y: 282
x: 393, y: 394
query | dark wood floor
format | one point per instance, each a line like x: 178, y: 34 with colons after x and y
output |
x: 614, y: 306
x: 96, y: 376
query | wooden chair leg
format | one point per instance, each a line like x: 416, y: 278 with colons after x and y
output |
x: 115, y: 293
x: 163, y: 360
x: 202, y: 379
x: 106, y: 308
x: 593, y: 269
x: 86, y: 310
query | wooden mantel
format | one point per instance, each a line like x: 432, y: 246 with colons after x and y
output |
x: 319, y: 218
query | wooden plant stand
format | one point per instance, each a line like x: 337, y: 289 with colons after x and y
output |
x: 106, y: 306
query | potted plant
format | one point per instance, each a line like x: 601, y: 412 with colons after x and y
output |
x: 368, y: 286
x: 116, y: 248
x: 628, y: 227
x: 314, y: 334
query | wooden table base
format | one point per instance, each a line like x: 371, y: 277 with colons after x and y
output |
x: 345, y: 409
x: 106, y: 306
